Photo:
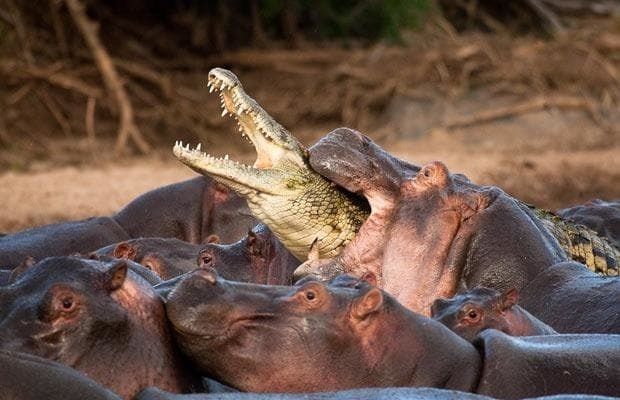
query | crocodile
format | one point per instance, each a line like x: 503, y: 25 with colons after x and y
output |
x: 300, y: 205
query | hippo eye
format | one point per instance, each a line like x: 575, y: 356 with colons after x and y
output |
x: 67, y: 304
x: 427, y: 172
x: 310, y: 295
x: 206, y: 260
x: 148, y: 266
x: 473, y: 315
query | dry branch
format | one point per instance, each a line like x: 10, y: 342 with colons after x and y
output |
x: 534, y: 105
x: 90, y: 120
x: 128, y: 129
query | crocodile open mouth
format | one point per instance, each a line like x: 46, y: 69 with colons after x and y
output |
x: 271, y: 141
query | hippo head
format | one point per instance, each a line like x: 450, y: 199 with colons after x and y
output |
x: 257, y: 258
x: 167, y: 257
x: 276, y: 338
x: 476, y: 310
x: 53, y: 308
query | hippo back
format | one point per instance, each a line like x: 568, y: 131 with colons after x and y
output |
x: 28, y: 377
x: 61, y: 239
x: 514, y: 368
x: 573, y: 299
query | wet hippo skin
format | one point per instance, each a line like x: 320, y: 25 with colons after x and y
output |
x: 482, y: 308
x: 60, y: 239
x: 98, y: 318
x: 312, y: 337
x: 191, y: 210
x: 517, y: 367
x: 27, y: 377
x: 430, y: 233
x: 357, y: 394
x: 344, y: 335
x: 572, y: 299
x: 259, y: 257
x: 166, y: 257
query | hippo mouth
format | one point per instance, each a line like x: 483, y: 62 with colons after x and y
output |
x: 243, y: 322
x: 274, y: 145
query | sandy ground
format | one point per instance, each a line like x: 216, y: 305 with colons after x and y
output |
x: 548, y: 176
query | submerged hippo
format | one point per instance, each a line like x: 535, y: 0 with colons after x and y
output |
x: 324, y: 337
x: 28, y: 377
x: 482, y: 308
x: 430, y: 234
x: 257, y: 258
x: 167, y: 257
x: 96, y: 317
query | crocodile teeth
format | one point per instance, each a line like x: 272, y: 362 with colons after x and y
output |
x: 224, y: 112
x: 198, y: 146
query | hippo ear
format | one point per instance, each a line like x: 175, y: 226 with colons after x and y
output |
x: 212, y: 239
x: 438, y: 305
x: 21, y: 268
x: 370, y: 278
x: 369, y: 303
x: 115, y: 276
x: 125, y: 250
x: 313, y: 255
x: 509, y: 298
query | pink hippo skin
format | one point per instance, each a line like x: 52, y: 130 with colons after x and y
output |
x: 430, y: 234
x: 469, y: 313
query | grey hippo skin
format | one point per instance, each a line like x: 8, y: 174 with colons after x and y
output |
x: 257, y: 258
x: 98, y: 318
x: 325, y: 337
x: 59, y: 239
x: 542, y: 365
x: 27, y: 377
x: 313, y: 337
x: 430, y: 233
x: 166, y: 257
x: 357, y: 394
x: 572, y: 299
x: 598, y: 215
x: 482, y: 308
x: 193, y: 211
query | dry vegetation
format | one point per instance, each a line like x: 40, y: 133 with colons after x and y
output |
x: 536, y: 116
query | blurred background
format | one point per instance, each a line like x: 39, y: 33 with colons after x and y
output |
x: 523, y: 94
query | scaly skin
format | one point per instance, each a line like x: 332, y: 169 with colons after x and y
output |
x: 281, y: 188
x: 299, y: 205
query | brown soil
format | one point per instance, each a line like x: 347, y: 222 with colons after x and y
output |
x: 537, y: 118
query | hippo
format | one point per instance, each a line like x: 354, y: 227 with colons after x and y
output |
x: 28, y: 377
x: 191, y: 210
x: 599, y: 215
x: 167, y: 257
x: 483, y: 308
x: 322, y: 337
x: 430, y: 234
x: 98, y: 318
x: 572, y: 299
x: 355, y: 394
x: 267, y: 338
x: 257, y: 258
x: 61, y: 239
